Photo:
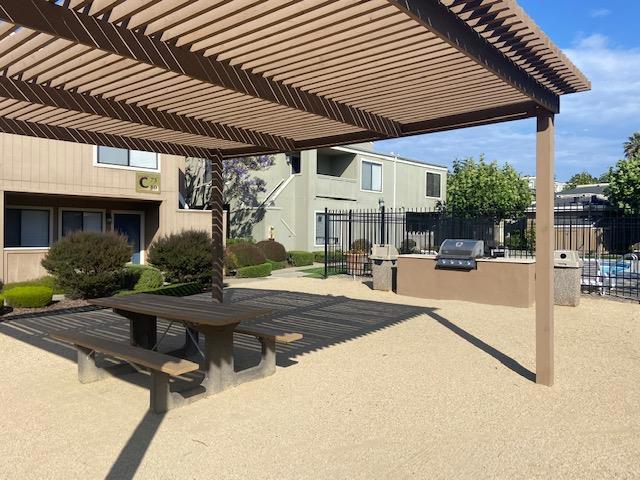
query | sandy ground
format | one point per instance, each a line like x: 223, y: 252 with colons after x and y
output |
x: 430, y: 389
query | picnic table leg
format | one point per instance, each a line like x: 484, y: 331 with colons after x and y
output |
x: 189, y: 348
x: 142, y: 329
x: 219, y: 371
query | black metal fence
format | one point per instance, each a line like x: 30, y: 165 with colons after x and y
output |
x: 607, y: 240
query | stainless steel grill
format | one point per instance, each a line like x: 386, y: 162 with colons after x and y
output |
x: 459, y: 254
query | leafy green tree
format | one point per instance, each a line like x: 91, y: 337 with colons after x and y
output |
x: 632, y: 146
x: 582, y: 178
x: 624, y: 184
x: 484, y: 189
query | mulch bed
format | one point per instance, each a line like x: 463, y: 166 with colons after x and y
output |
x: 54, y: 307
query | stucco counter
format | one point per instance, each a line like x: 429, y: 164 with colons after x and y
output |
x: 496, y: 281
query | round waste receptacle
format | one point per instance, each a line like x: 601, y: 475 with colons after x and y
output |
x: 383, y: 266
x: 567, y: 273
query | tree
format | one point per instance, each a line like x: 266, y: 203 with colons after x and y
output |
x: 632, y: 146
x: 582, y: 178
x: 242, y: 188
x: 624, y: 184
x: 482, y: 189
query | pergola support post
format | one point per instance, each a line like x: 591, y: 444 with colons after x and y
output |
x: 217, y: 227
x: 544, y: 247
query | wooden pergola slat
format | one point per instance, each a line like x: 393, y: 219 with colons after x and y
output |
x: 45, y: 17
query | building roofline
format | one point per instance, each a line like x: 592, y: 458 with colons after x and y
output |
x: 385, y: 156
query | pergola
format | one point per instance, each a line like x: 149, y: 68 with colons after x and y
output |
x: 223, y: 78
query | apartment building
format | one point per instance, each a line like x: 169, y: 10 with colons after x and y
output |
x: 299, y: 186
x: 49, y: 189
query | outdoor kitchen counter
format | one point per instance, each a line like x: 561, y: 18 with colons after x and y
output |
x: 496, y: 281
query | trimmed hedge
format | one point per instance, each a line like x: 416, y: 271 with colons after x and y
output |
x: 243, y: 255
x: 46, y: 281
x: 299, y: 258
x: 240, y: 240
x: 334, y: 256
x: 254, y: 271
x: 151, y: 278
x: 272, y: 250
x: 176, y: 290
x: 184, y: 257
x: 88, y: 264
x: 28, y: 297
x: 278, y: 265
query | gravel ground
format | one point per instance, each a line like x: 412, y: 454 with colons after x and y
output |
x: 445, y: 393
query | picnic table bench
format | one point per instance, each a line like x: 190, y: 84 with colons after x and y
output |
x: 217, y: 322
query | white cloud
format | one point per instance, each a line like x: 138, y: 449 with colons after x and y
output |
x: 591, y: 127
x: 599, y: 12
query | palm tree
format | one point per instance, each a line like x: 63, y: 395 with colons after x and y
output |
x: 632, y: 146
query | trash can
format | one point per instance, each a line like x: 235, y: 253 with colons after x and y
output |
x: 383, y: 266
x: 567, y: 272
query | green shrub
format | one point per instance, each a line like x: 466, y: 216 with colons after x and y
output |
x: 88, y: 264
x: 334, y: 256
x: 183, y: 257
x: 243, y: 255
x: 278, y: 265
x: 299, y: 258
x: 28, y: 297
x: 272, y: 250
x: 239, y: 240
x: 46, y: 281
x: 361, y: 246
x: 408, y: 246
x: 151, y: 278
x: 131, y: 275
x: 175, y: 290
x: 255, y: 271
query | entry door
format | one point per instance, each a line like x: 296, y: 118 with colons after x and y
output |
x: 130, y: 225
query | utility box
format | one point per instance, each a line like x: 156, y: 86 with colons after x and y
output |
x: 567, y: 272
x: 384, y: 260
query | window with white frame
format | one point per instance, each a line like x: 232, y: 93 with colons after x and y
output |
x: 433, y: 184
x: 371, y: 176
x: 121, y: 157
x: 27, y: 227
x: 81, y: 221
x: 320, y: 226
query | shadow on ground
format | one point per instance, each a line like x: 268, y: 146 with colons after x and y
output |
x: 323, y: 320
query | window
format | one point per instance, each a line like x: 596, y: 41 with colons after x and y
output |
x: 27, y: 227
x: 122, y: 157
x: 320, y: 230
x: 79, y: 221
x: 371, y: 176
x: 294, y: 161
x: 433, y: 184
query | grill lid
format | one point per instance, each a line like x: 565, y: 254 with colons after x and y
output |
x: 461, y: 248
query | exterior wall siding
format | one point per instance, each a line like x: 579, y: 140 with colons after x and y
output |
x: 41, y: 172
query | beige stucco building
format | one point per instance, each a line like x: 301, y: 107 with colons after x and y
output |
x: 50, y: 188
x: 299, y: 186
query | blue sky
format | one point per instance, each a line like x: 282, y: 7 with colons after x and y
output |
x: 601, y: 38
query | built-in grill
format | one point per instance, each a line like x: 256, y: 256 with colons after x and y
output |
x: 459, y: 254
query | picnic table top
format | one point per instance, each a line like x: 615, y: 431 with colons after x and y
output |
x: 181, y: 309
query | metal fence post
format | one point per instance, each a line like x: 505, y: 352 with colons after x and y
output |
x: 326, y: 242
x: 382, y: 225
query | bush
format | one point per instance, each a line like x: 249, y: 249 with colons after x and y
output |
x: 300, y: 259
x: 272, y: 250
x: 361, y: 246
x: 176, y: 290
x: 151, y: 278
x: 46, y: 281
x: 255, y: 271
x: 240, y: 240
x: 131, y: 275
x: 28, y: 297
x: 243, y: 255
x: 408, y: 246
x: 88, y: 264
x: 334, y: 256
x: 183, y: 257
x: 278, y: 265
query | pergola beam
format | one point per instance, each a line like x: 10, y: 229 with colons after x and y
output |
x: 439, y: 20
x: 60, y: 22
x: 119, y: 110
x: 31, y: 129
